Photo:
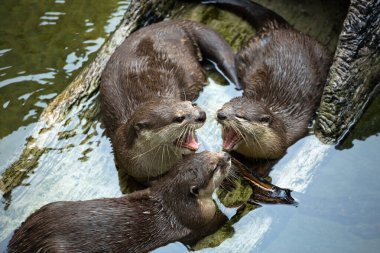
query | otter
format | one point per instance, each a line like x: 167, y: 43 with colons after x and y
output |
x: 146, y: 89
x: 282, y: 72
x: 179, y: 207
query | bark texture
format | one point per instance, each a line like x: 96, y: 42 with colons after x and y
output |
x: 354, y: 77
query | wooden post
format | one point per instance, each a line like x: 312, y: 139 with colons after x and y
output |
x: 354, y: 76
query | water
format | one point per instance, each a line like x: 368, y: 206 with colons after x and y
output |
x: 43, y: 46
x: 40, y: 53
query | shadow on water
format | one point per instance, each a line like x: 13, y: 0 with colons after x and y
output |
x: 368, y: 126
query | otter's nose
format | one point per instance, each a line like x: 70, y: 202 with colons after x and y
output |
x: 221, y: 115
x: 202, y: 117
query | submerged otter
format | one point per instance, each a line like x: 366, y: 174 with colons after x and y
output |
x: 282, y: 72
x: 144, y: 89
x: 178, y: 208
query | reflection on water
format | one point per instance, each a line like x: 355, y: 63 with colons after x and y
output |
x: 337, y: 189
x: 43, y: 45
x: 368, y: 126
x: 76, y: 164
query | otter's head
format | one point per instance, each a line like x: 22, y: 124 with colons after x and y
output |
x: 200, y: 174
x: 249, y: 128
x: 188, y: 187
x: 156, y: 136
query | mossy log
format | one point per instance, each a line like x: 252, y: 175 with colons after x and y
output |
x: 354, y: 77
x: 139, y: 13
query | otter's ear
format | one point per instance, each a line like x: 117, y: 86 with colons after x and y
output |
x: 139, y: 126
x: 194, y: 190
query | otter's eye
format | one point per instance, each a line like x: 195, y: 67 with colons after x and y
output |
x: 241, y: 117
x: 194, y: 190
x: 265, y: 119
x: 194, y: 104
x: 179, y: 119
x: 216, y: 168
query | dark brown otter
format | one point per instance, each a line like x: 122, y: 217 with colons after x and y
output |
x: 282, y: 72
x: 178, y: 208
x: 144, y: 89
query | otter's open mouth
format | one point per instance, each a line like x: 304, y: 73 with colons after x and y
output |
x: 230, y: 138
x: 188, y: 141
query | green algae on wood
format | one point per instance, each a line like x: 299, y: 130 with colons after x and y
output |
x: 354, y: 77
x: 235, y: 30
x: 19, y: 170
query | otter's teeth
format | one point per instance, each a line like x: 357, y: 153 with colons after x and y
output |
x: 190, y: 142
x: 231, y: 138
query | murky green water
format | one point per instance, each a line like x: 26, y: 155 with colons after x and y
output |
x: 44, y: 44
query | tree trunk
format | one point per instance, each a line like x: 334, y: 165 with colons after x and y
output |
x: 354, y: 76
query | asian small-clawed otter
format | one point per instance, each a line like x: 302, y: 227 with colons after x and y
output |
x: 282, y: 72
x: 146, y: 89
x: 179, y: 207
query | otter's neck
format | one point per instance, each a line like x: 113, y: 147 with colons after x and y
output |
x: 152, y: 158
x: 191, y: 212
x: 143, y: 156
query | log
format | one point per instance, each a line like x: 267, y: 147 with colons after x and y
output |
x: 354, y: 77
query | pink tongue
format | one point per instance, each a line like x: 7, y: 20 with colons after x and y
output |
x: 191, y: 143
x: 230, y: 139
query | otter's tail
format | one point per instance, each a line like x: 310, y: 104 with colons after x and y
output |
x: 257, y: 15
x: 215, y: 48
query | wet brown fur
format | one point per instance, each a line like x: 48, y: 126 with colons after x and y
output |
x: 144, y: 88
x: 282, y: 72
x: 139, y: 222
